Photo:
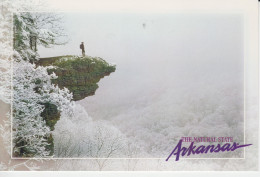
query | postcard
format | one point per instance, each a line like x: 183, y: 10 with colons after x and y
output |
x: 129, y: 85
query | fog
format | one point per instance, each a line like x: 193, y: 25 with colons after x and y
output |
x: 176, y: 74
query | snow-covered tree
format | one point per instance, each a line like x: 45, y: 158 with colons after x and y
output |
x: 80, y: 136
x: 33, y: 29
x: 32, y: 87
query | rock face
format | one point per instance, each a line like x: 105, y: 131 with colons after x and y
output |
x: 80, y: 75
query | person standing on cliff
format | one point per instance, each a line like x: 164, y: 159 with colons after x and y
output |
x: 82, y: 48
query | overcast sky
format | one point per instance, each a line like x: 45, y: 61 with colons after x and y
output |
x: 123, y: 38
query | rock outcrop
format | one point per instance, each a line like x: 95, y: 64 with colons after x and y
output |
x: 79, y: 74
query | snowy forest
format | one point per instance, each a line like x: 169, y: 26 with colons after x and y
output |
x: 146, y: 81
